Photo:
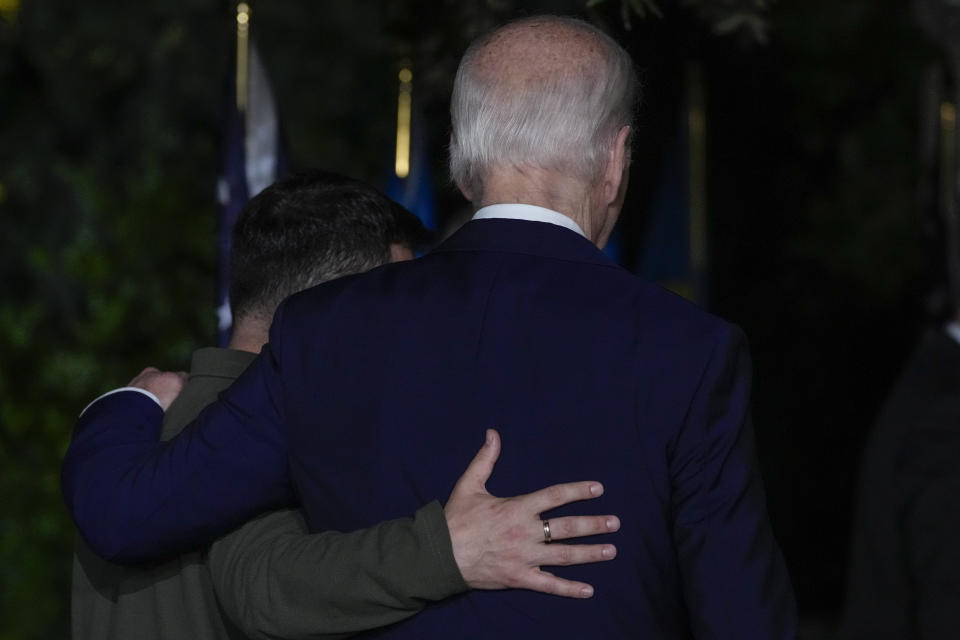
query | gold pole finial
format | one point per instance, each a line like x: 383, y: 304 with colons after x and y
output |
x: 9, y: 9
x: 948, y: 156
x: 402, y: 165
x: 243, y: 57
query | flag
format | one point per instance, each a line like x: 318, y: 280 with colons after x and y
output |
x: 665, y: 249
x: 614, y: 244
x: 253, y: 158
x: 673, y: 250
x: 411, y: 182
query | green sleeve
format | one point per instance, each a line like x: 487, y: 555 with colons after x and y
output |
x: 273, y: 579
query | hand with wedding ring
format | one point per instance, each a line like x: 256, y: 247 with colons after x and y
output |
x: 501, y: 543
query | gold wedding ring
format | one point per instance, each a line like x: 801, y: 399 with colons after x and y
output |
x: 546, y: 531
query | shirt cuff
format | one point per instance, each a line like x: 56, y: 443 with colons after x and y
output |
x: 137, y: 389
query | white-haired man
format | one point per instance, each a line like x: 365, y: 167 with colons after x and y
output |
x: 517, y: 321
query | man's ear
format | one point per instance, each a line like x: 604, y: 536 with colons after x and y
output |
x: 618, y: 160
x: 464, y: 190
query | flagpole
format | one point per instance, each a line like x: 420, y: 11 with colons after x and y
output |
x: 410, y: 182
x: 404, y: 99
x: 948, y: 195
x: 243, y: 54
x: 697, y: 181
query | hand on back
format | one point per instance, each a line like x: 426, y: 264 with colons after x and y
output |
x: 500, y: 543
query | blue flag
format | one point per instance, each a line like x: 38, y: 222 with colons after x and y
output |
x: 253, y: 158
x: 674, y: 239
x: 614, y: 244
x: 665, y: 249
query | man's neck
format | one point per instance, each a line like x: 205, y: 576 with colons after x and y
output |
x: 249, y: 334
x: 540, y: 188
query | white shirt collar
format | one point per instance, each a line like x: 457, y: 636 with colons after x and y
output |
x: 528, y: 212
x: 953, y: 330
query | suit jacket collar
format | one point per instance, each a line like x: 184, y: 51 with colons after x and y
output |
x: 526, y: 237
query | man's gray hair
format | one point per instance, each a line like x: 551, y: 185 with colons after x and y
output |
x: 566, y: 123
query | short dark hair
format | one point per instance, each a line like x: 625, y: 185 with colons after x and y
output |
x: 309, y: 228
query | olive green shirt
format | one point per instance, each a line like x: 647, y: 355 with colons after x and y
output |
x: 270, y: 578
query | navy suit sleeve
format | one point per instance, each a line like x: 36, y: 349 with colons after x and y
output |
x: 735, y: 580
x: 136, y: 499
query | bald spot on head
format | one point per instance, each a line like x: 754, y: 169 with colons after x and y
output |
x: 530, y: 53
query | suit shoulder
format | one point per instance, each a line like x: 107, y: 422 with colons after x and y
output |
x: 320, y: 297
x: 675, y: 317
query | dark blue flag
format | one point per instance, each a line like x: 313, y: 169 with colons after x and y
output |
x: 673, y: 250
x: 665, y: 250
x: 614, y: 244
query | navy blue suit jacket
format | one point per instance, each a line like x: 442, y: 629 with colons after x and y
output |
x: 374, y: 392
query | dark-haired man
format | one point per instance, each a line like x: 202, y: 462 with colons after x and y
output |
x: 270, y: 577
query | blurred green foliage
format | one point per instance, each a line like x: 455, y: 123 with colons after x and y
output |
x: 100, y: 139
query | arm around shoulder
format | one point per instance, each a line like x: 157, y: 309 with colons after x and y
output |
x: 136, y: 499
x: 107, y: 434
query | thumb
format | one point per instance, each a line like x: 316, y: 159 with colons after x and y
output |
x: 480, y: 468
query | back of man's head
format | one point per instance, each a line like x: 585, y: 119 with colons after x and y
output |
x: 309, y: 228
x: 546, y: 92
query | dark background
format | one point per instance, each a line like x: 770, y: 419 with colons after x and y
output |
x: 109, y: 141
